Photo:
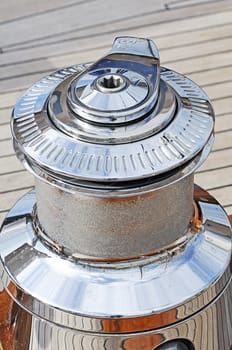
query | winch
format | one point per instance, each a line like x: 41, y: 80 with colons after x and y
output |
x: 115, y: 248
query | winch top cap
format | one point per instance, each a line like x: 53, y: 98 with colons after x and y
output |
x: 122, y: 118
x: 120, y: 87
x: 111, y: 96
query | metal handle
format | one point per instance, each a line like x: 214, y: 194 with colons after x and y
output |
x: 135, y: 46
x: 120, y: 87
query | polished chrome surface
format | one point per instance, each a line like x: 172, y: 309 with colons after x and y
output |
x: 183, y: 293
x: 134, y: 61
x: 110, y: 130
x: 158, y: 289
x: 209, y: 329
x: 52, y: 132
x: 118, y: 189
x: 89, y: 90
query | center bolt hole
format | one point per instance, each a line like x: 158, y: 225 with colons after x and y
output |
x: 110, y: 83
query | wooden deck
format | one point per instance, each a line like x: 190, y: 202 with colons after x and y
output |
x: 194, y: 37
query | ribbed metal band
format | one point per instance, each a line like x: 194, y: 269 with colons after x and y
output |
x: 40, y: 142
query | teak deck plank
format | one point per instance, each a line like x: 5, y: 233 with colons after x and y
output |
x: 179, y: 31
x: 193, y: 37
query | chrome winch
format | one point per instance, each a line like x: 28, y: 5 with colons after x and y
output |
x: 115, y: 248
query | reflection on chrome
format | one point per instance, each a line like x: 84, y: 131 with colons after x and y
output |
x: 63, y: 297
